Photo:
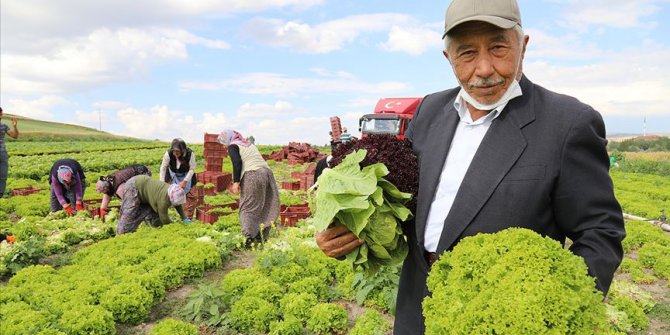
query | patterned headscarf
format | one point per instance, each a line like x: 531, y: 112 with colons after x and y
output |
x: 64, y: 174
x: 102, y: 186
x: 229, y: 136
x: 176, y: 194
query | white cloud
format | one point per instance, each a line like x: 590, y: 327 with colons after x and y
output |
x: 40, y: 108
x: 628, y: 83
x: 324, y: 37
x: 37, y: 19
x: 110, y: 105
x: 281, y: 85
x: 155, y: 122
x: 412, y: 40
x: 611, y: 13
x: 543, y: 45
x: 102, y: 57
x: 276, y: 123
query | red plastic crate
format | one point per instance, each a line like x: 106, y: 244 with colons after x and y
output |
x: 290, y: 216
x: 22, y: 191
x: 216, y: 146
x: 216, y: 168
x: 222, y: 181
x: 311, y: 169
x: 211, y: 138
x: 306, y: 182
x: 204, y: 213
x: 291, y: 185
x: 211, y: 153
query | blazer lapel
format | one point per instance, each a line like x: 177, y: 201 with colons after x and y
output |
x: 499, y: 150
x: 434, y: 155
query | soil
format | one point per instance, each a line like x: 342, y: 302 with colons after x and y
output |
x: 177, y: 298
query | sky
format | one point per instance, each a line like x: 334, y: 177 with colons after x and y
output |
x: 279, y: 69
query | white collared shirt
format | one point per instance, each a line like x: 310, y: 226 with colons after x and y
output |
x: 464, y: 145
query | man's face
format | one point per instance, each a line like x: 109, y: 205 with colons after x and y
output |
x: 485, y: 58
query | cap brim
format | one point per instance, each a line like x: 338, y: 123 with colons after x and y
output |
x: 494, y: 20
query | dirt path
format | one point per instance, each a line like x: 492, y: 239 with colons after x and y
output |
x: 175, y: 299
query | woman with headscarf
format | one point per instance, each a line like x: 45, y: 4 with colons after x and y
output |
x: 112, y: 184
x: 254, y: 181
x: 178, y: 167
x: 68, y: 183
x: 146, y: 199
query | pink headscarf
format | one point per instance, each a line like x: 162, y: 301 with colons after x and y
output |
x: 229, y: 136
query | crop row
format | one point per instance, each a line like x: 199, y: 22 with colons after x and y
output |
x: 51, y: 147
x: 642, y: 195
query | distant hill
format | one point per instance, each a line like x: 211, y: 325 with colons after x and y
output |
x: 37, y: 130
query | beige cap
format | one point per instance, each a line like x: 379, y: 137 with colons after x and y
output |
x: 502, y: 13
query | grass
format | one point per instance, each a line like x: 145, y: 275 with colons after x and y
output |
x: 37, y: 130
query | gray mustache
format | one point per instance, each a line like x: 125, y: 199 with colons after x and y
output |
x: 485, y: 83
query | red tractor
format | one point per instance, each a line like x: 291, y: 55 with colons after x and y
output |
x: 392, y: 116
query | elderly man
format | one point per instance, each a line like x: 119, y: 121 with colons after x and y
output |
x: 497, y: 152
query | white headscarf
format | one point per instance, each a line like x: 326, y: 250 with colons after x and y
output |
x: 176, y: 194
x: 229, y: 136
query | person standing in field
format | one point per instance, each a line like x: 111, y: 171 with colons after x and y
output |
x: 146, y: 199
x: 4, y: 156
x: 178, y: 167
x: 68, y: 184
x: 500, y: 151
x: 254, y: 181
x: 112, y: 184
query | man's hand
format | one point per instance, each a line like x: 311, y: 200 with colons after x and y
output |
x: 14, y: 122
x: 337, y: 241
x: 103, y: 211
x: 79, y: 206
x: 183, y: 183
x: 68, y: 209
x: 235, y: 188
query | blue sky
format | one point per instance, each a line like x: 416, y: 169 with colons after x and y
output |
x: 278, y: 69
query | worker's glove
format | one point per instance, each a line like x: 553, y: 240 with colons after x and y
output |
x: 103, y: 211
x: 79, y: 206
x: 67, y: 208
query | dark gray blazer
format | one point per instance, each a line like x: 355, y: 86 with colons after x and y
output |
x: 542, y: 165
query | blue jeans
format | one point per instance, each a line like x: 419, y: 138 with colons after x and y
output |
x: 4, y: 169
x: 178, y: 177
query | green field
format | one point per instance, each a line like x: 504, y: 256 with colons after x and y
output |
x: 37, y: 130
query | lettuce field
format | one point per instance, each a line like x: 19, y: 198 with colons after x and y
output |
x: 72, y: 275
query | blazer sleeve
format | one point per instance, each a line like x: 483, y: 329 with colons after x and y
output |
x: 584, y: 203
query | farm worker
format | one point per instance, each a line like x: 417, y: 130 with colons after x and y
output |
x: 4, y: 157
x: 147, y: 199
x: 254, y: 181
x: 112, y: 184
x: 498, y: 152
x: 178, y: 167
x: 68, y: 183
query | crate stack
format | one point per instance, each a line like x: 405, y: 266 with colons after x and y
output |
x: 335, y: 129
x: 213, y: 155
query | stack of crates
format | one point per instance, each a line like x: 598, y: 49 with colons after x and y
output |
x: 335, y: 129
x: 214, y: 154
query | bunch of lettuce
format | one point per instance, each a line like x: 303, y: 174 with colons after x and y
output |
x: 512, y: 282
x: 370, y: 206
x: 397, y: 155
